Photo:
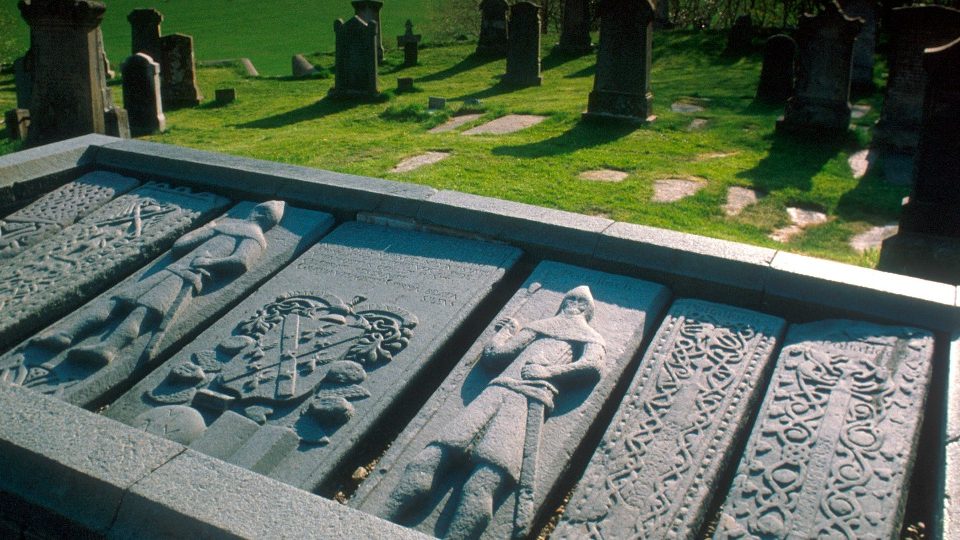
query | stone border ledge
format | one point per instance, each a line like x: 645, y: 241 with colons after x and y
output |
x: 950, y: 519
x: 22, y: 173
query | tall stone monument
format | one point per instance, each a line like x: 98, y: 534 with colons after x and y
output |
x: 141, y: 95
x: 864, y: 48
x: 621, y: 87
x: 821, y: 98
x: 913, y: 29
x: 178, y: 72
x: 575, y: 31
x: 369, y: 11
x: 523, y: 46
x: 356, y: 59
x: 778, y: 71
x: 69, y: 96
x: 493, y: 28
x: 145, y: 32
x: 410, y: 43
x: 928, y: 243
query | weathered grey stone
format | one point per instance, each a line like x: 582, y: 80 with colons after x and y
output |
x: 129, y: 329
x: 739, y: 198
x: 117, y: 122
x: 575, y: 28
x: 301, y: 67
x: 141, y: 95
x: 225, y: 96
x: 178, y: 72
x: 58, y: 274
x: 621, y: 86
x: 54, y: 211
x: 505, y: 422
x: 740, y: 36
x: 821, y: 98
x: 677, y: 430
x: 436, y: 103
x: 864, y: 48
x: 455, y: 122
x: 523, y: 45
x: 670, y: 190
x: 28, y: 171
x: 832, y: 450
x: 777, y: 73
x: 23, y: 79
x: 493, y: 28
x: 510, y: 123
x: 405, y: 84
x: 145, y: 32
x: 410, y: 43
x: 604, y: 175
x: 415, y: 162
x: 249, y: 68
x: 323, y: 349
x: 951, y: 469
x: 356, y: 64
x: 369, y: 12
x: 872, y: 238
x: 913, y: 29
x: 18, y: 124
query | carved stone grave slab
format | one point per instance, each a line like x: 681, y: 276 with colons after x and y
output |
x: 58, y: 209
x: 57, y: 275
x: 832, y: 450
x: 128, y: 329
x: 292, y: 379
x: 494, y: 440
x: 676, y: 431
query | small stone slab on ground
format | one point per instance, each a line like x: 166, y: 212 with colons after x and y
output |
x: 671, y: 190
x: 294, y: 379
x: 801, y: 219
x: 738, y: 198
x: 682, y: 418
x: 873, y: 238
x: 516, y: 407
x: 506, y: 124
x: 686, y: 107
x: 714, y: 155
x: 455, y: 122
x: 421, y: 160
x: 604, y: 175
x: 859, y: 111
x: 697, y: 124
x: 834, y: 444
x: 861, y: 162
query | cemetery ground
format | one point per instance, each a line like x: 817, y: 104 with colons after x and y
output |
x: 729, y: 143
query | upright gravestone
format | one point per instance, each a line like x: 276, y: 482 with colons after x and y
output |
x: 740, y: 37
x: 145, y: 33
x: 662, y: 17
x: 301, y: 67
x: 778, y: 71
x: 18, y: 124
x: 141, y: 95
x: 575, y: 32
x: 621, y: 86
x: 69, y: 83
x: 355, y: 72
x: 410, y: 43
x: 913, y: 29
x: 928, y: 242
x: 369, y: 11
x: 23, y: 79
x: 864, y: 48
x: 821, y: 98
x: 493, y: 28
x: 523, y: 46
x: 178, y: 72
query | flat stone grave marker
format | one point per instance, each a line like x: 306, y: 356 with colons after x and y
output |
x: 861, y: 161
x: 738, y: 199
x: 293, y: 379
x: 436, y: 103
x: 405, y: 84
x: 698, y: 124
x: 125, y: 331
x: 484, y: 452
x: 455, y: 122
x: 671, y: 190
x: 226, y: 96
x: 833, y: 447
x: 301, y: 67
x: 686, y: 107
x: 604, y: 175
x: 873, y: 238
x: 714, y: 155
x: 676, y: 431
x: 58, y: 209
x: 506, y: 124
x: 58, y: 274
x: 859, y: 111
x: 415, y: 162
x: 800, y: 219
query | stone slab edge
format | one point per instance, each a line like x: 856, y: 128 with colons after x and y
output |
x: 758, y: 278
x: 950, y: 526
x: 22, y: 168
x: 120, y: 482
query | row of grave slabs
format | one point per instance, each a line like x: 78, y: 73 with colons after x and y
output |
x: 372, y: 305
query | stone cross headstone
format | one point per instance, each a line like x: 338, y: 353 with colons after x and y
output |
x: 621, y: 86
x: 18, y: 124
x: 410, y: 43
x: 178, y: 72
x: 778, y: 71
x: 69, y: 81
x: 913, y: 29
x: 145, y: 33
x: 500, y: 431
x: 821, y: 98
x: 523, y: 45
x: 575, y: 30
x: 23, y: 79
x: 864, y: 48
x: 355, y: 72
x: 493, y: 28
x: 369, y: 11
x: 141, y: 95
x: 740, y: 36
x: 928, y: 242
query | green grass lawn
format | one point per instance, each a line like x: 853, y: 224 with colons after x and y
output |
x: 290, y: 120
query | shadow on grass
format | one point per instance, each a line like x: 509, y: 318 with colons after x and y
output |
x: 557, y: 58
x: 588, y: 71
x: 498, y: 89
x: 582, y: 135
x: 324, y: 107
x: 471, y: 62
x: 794, y: 160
